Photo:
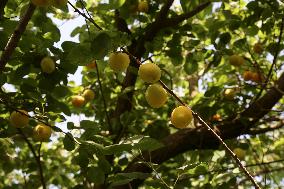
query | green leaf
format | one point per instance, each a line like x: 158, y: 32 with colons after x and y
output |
x: 225, y: 38
x: 68, y: 142
x: 191, y: 65
x: 135, y: 175
x: 82, y: 160
x: 80, y: 54
x: 118, y: 182
x: 101, y: 45
x: 215, y: 90
x: 93, y: 147
x: 117, y: 149
x: 104, y: 165
x: 95, y: 175
x: 60, y: 91
x: 148, y: 144
x: 70, y: 125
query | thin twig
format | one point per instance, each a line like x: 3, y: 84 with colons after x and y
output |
x: 16, y: 36
x: 233, y: 155
x: 37, y: 158
x: 221, y: 170
x: 82, y: 14
x: 266, y: 171
x: 97, y: 69
x: 5, y: 103
x: 276, y: 53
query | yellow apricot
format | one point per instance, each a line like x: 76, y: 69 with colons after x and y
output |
x: 156, y: 95
x: 119, y: 62
x: 47, y: 65
x: 88, y: 95
x: 236, y: 60
x: 149, y: 72
x: 181, y: 117
x: 42, y: 132
x: 18, y: 119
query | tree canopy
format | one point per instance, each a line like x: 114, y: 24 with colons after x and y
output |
x: 123, y: 127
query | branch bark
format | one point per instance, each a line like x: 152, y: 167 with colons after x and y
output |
x: 264, y: 130
x: 170, y: 22
x: 16, y: 36
x: 164, y: 11
x: 191, y: 139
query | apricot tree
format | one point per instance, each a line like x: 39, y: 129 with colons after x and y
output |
x: 170, y: 94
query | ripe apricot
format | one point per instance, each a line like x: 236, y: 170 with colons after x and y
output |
x: 229, y: 94
x: 247, y: 75
x: 91, y: 65
x: 149, y: 72
x: 47, y: 65
x: 181, y: 117
x: 118, y: 62
x: 42, y: 132
x: 88, y: 95
x: 18, y: 119
x: 236, y: 60
x: 216, y: 117
x: 78, y: 101
x: 156, y: 95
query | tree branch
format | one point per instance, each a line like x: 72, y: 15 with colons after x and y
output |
x: 191, y: 139
x: 170, y: 22
x: 264, y: 130
x: 37, y: 158
x: 85, y: 16
x: 275, y: 57
x: 164, y: 11
x: 221, y: 170
x: 16, y: 36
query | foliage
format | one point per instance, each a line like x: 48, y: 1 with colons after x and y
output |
x: 100, y: 144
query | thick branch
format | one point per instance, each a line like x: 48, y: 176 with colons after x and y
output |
x: 164, y: 11
x: 202, y: 138
x: 155, y: 27
x: 264, y: 130
x: 263, y: 105
x: 16, y: 36
x: 170, y: 22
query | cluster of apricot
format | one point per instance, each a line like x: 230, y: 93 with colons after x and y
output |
x: 20, y: 119
x: 156, y: 96
x: 80, y: 100
x: 238, y: 61
x: 252, y: 76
